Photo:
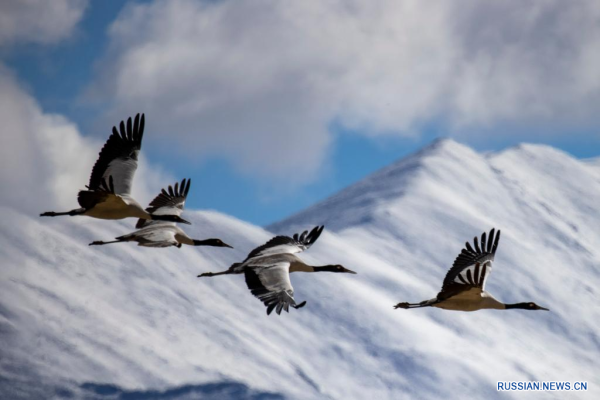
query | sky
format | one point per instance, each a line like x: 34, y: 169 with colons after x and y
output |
x: 271, y: 106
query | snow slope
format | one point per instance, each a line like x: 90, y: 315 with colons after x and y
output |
x: 118, y: 321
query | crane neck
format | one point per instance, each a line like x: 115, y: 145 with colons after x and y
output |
x: 523, y: 306
x: 326, y: 268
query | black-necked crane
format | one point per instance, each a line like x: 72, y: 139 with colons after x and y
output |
x: 164, y: 233
x: 267, y: 269
x: 109, y: 191
x: 464, y: 285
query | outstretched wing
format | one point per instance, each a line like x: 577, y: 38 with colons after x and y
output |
x: 119, y: 156
x: 168, y: 202
x: 271, y: 285
x: 471, y: 267
x: 285, y: 244
x: 152, y: 236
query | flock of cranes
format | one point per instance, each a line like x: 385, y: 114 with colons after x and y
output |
x: 267, y: 268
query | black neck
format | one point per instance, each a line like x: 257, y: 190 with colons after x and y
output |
x: 524, y: 306
x: 328, y: 268
x: 207, y: 242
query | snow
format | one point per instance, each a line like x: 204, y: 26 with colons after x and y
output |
x: 594, y: 163
x: 90, y: 321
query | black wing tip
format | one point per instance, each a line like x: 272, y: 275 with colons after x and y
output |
x: 278, y: 307
x: 318, y: 228
x: 129, y: 129
x: 137, y: 118
x: 492, y: 243
x: 141, y: 129
x: 179, y: 189
x: 132, y: 132
x: 476, y: 244
x: 489, y: 242
x: 184, y: 188
x: 313, y: 235
x: 187, y: 188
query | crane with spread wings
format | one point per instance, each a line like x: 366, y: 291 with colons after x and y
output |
x: 267, y: 269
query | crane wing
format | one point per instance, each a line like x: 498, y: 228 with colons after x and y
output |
x: 471, y: 267
x: 119, y: 156
x: 153, y: 236
x: 168, y: 202
x: 271, y: 284
x: 285, y: 244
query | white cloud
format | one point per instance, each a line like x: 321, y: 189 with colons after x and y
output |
x: 260, y: 82
x: 45, y: 159
x: 31, y: 142
x: 38, y: 21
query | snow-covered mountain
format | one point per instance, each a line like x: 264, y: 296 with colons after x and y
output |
x: 122, y: 321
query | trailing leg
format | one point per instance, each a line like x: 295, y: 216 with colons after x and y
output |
x: 297, y: 306
x: 100, y: 242
x: 77, y: 211
x: 405, y: 305
x: 215, y: 273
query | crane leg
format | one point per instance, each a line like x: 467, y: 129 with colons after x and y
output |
x: 214, y: 273
x: 406, y: 305
x: 77, y: 211
x: 297, y: 306
x: 100, y: 242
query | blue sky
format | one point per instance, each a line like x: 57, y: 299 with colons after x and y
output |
x: 356, y: 135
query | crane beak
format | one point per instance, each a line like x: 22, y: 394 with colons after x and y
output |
x: 543, y: 308
x: 350, y: 272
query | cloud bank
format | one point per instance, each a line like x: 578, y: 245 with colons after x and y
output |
x: 261, y: 82
x: 45, y: 159
x: 38, y: 21
x: 42, y: 154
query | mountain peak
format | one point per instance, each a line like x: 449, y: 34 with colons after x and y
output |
x: 442, y: 143
x: 440, y: 146
x: 355, y: 204
x: 444, y: 172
